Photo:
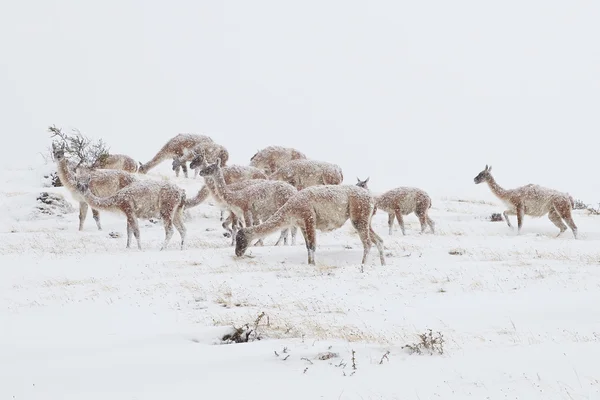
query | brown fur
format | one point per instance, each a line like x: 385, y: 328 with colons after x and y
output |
x: 271, y: 158
x: 305, y: 173
x: 532, y: 200
x: 231, y: 174
x: 252, y: 203
x: 403, y: 201
x: 116, y: 161
x: 323, y: 208
x: 143, y: 199
x: 102, y: 183
x: 206, y: 152
x: 176, y: 147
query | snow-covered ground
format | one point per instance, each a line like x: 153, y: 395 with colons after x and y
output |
x: 82, y: 317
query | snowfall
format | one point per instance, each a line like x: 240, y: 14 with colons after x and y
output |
x: 407, y: 93
x: 84, y: 317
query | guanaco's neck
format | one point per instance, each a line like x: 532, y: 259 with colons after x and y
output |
x: 65, y: 175
x: 98, y: 202
x: 496, y: 189
x: 221, y: 188
x: 212, y: 186
x: 272, y: 224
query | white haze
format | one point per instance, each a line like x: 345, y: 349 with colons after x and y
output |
x: 408, y: 93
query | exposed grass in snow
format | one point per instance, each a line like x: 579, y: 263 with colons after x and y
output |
x: 83, y: 317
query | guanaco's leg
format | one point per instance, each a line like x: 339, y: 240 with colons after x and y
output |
x: 557, y: 220
x: 167, y: 218
x: 400, y: 221
x: 362, y: 227
x: 520, y: 215
x: 83, y: 209
x: 431, y: 224
x: 282, y: 237
x: 506, y: 214
x: 391, y: 217
x: 132, y: 222
x: 379, y: 243
x: 178, y: 222
x: 568, y: 217
x: 311, y: 240
x: 184, y: 168
x: 96, y: 216
x: 129, y: 233
x: 422, y: 220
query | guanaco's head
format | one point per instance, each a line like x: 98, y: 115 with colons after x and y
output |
x: 241, y: 242
x: 83, y: 184
x: 176, y: 164
x: 484, y: 175
x: 211, y: 169
x: 199, y: 161
x: 58, y: 151
x: 362, y: 184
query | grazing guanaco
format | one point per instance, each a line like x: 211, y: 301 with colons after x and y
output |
x: 326, y: 208
x: 178, y: 146
x: 206, y: 151
x: 532, y: 200
x: 252, y: 203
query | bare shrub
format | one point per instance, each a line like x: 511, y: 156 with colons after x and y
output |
x: 52, y: 180
x: 79, y: 148
x: 580, y: 205
x: 427, y: 342
x: 245, y: 333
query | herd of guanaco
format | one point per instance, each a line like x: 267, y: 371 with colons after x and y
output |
x: 280, y: 190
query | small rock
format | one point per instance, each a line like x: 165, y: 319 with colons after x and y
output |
x: 456, y: 252
x: 327, y: 355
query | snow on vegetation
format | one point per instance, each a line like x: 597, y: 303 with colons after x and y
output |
x: 472, y: 311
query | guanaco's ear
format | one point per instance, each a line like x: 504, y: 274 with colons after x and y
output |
x: 490, y: 169
x: 367, y: 180
x: 357, y: 179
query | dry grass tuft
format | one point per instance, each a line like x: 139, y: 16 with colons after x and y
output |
x: 427, y: 342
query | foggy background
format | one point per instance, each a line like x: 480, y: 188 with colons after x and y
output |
x: 409, y: 93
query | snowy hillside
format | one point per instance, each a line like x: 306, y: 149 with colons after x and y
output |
x: 82, y: 317
x: 407, y: 93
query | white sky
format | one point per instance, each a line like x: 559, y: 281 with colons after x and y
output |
x: 420, y: 93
